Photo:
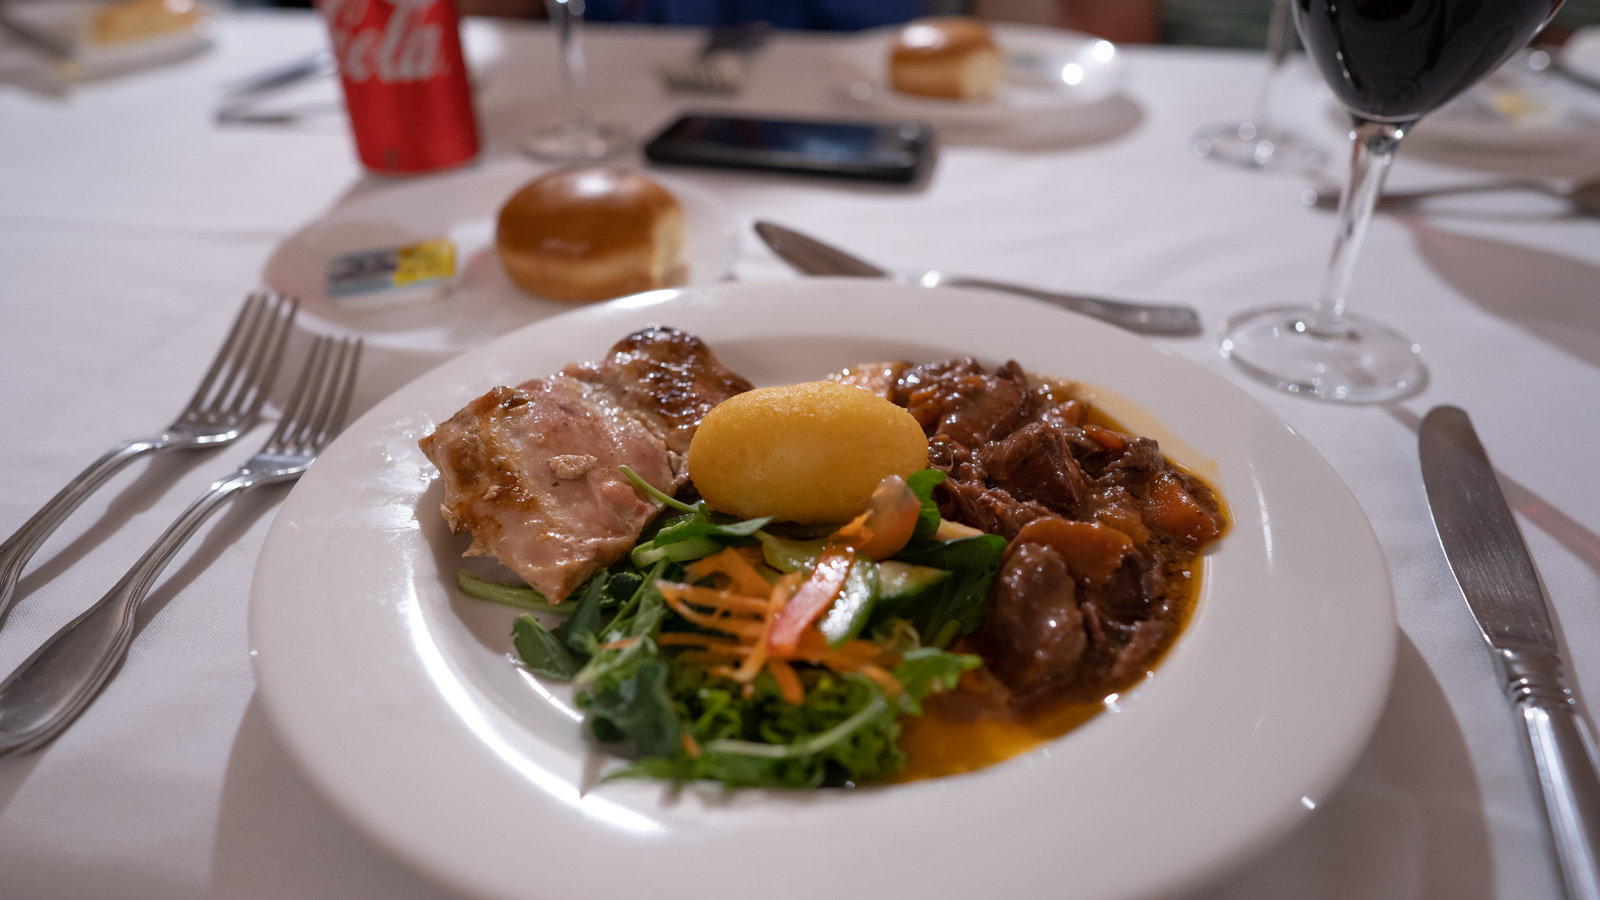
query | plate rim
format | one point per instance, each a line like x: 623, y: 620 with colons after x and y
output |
x: 1265, y: 825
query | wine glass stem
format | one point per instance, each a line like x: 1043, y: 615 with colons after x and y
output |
x: 1278, y: 26
x: 567, y: 17
x: 1375, y: 144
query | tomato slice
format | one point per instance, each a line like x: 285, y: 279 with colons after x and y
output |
x: 811, y: 600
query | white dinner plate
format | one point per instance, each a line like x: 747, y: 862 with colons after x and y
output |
x: 462, y: 206
x: 396, y: 694
x: 1048, y: 71
x: 72, y: 21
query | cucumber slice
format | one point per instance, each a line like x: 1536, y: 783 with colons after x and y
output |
x: 853, y: 606
x: 790, y: 556
x: 902, y: 581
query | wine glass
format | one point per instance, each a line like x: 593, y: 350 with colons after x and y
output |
x: 1389, y: 62
x: 1256, y: 143
x: 577, y: 138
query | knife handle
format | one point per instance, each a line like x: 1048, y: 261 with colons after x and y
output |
x: 1564, y: 755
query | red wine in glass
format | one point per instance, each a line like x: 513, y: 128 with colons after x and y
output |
x: 1390, y: 62
x: 1393, y: 60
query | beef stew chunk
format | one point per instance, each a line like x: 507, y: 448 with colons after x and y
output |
x: 1104, y: 529
x: 1033, y: 630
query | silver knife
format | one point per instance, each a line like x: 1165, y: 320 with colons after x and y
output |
x: 813, y: 257
x: 1496, y: 575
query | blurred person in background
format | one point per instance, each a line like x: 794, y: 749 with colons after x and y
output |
x: 1208, y: 23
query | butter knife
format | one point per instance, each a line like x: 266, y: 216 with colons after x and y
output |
x: 1497, y: 577
x: 813, y: 257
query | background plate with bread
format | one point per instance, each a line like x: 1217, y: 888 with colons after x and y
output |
x: 480, y: 300
x: 1042, y: 70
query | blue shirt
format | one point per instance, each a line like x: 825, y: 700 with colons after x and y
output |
x: 829, y: 15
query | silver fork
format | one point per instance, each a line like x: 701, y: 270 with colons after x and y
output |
x: 60, y: 679
x: 225, y: 406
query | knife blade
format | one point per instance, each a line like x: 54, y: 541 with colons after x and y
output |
x: 1497, y: 577
x: 813, y: 257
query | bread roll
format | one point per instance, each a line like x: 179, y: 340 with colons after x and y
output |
x: 946, y: 56
x: 139, y: 20
x: 591, y: 233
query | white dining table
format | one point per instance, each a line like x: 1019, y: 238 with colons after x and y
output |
x: 132, y: 225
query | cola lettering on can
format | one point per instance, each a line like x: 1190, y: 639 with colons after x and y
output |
x: 405, y: 83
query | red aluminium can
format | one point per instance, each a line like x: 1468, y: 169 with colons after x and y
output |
x: 405, y: 83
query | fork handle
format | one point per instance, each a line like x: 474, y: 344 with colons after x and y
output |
x: 20, y: 547
x: 1140, y: 318
x: 59, y: 680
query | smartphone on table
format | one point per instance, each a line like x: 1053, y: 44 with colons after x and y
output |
x: 893, y: 152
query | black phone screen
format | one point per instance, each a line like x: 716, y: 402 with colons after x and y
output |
x: 893, y: 152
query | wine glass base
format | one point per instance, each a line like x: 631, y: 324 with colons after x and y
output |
x: 1295, y: 349
x: 568, y: 143
x: 1265, y: 149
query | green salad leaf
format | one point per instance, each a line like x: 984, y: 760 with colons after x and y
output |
x: 929, y: 670
x: 634, y: 706
x: 954, y: 606
x: 845, y: 731
x: 542, y: 652
x: 518, y: 596
x: 581, y: 630
x: 922, y: 484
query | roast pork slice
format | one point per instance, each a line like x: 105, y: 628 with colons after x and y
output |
x: 532, y: 472
x: 668, y: 377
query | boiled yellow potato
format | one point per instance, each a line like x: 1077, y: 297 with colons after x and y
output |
x: 808, y: 453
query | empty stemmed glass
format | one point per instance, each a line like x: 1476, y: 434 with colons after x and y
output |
x: 578, y: 138
x: 1389, y: 62
x: 1257, y: 143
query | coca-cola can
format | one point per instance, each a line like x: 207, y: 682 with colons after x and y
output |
x: 405, y: 83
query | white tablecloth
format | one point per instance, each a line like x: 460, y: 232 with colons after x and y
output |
x: 131, y: 226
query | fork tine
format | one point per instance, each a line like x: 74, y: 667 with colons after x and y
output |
x: 299, y: 398
x: 244, y: 356
x: 341, y: 384
x: 347, y: 392
x: 243, y: 325
x: 248, y: 359
x: 264, y: 368
x: 299, y: 436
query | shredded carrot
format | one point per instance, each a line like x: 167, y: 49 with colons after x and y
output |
x: 788, y: 682
x: 748, y: 621
x: 705, y: 641
x: 776, y: 598
x: 737, y: 565
x: 619, y: 644
x: 740, y: 627
x: 727, y: 600
x: 712, y: 657
x: 888, y: 682
x: 690, y: 745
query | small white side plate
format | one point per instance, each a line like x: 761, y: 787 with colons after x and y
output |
x: 1048, y: 70
x: 71, y: 20
x: 483, y: 303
